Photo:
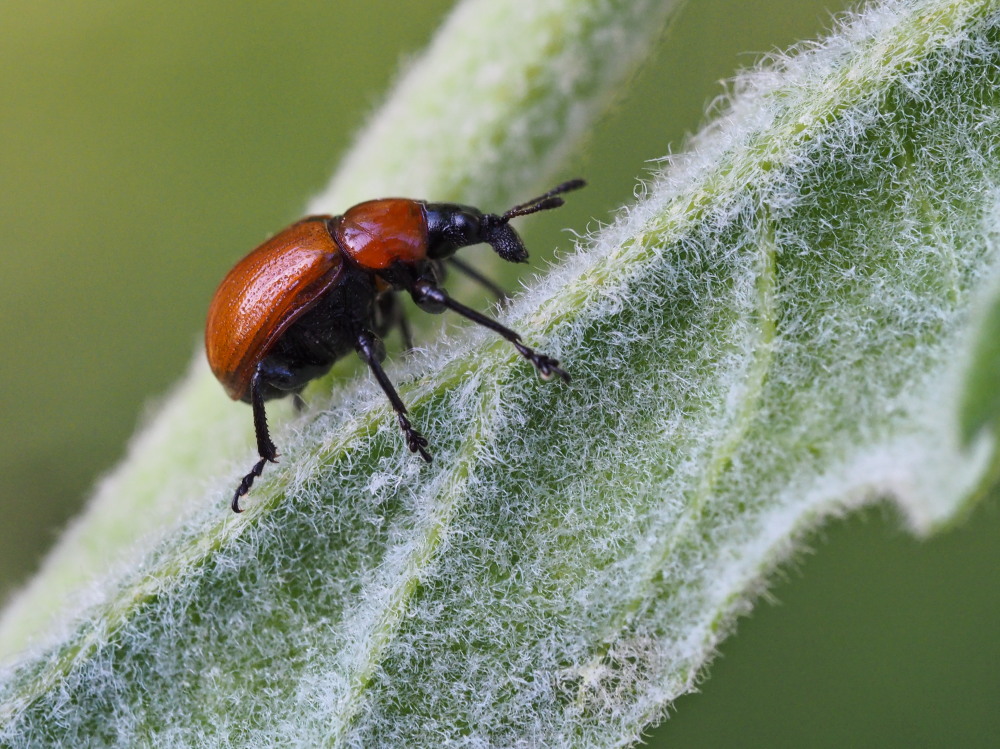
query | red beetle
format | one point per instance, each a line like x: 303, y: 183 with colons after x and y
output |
x: 327, y: 285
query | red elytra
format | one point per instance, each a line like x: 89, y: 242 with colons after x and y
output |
x: 262, y: 295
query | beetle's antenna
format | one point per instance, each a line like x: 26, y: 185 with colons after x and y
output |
x: 543, y: 202
x: 500, y: 235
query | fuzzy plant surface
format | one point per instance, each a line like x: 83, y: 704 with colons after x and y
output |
x: 796, y: 319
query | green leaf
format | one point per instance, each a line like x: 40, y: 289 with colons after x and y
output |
x: 781, y: 330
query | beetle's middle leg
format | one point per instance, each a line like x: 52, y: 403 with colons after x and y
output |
x: 370, y: 349
x: 466, y: 269
x: 391, y: 314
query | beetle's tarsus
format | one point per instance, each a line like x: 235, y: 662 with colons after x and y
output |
x: 415, y: 441
x: 247, y: 482
x: 546, y: 365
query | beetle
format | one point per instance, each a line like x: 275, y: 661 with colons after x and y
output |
x: 327, y: 285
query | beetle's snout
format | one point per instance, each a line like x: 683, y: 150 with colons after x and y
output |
x: 507, y: 243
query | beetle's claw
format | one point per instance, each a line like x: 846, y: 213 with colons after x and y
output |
x: 547, y: 367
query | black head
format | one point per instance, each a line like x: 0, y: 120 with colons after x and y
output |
x: 453, y: 226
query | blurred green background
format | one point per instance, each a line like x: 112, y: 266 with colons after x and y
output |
x: 144, y: 147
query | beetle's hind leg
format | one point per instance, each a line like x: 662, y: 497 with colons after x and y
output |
x: 370, y: 349
x: 265, y: 448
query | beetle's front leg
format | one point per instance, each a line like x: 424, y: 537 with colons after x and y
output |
x: 432, y: 299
